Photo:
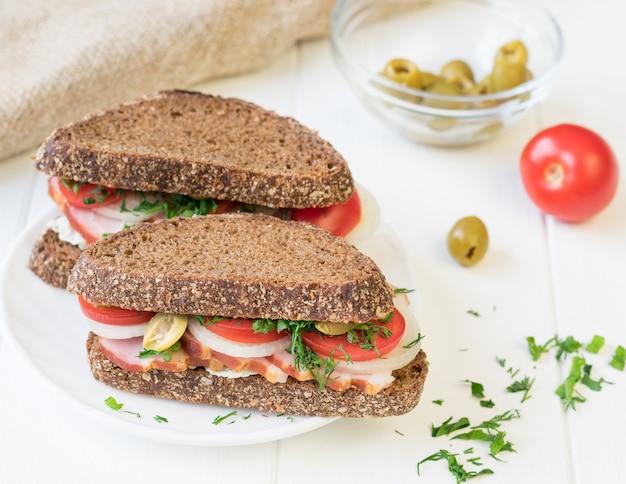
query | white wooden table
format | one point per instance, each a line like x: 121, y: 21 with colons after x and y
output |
x: 540, y: 278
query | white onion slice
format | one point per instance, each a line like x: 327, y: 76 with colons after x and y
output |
x: 399, y: 356
x: 131, y: 200
x: 116, y: 332
x: 370, y: 218
x: 232, y: 348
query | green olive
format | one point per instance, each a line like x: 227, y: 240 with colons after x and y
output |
x: 482, y: 87
x: 444, y: 88
x: 456, y: 68
x: 513, y: 53
x: 428, y: 78
x: 333, y: 329
x: 442, y: 124
x: 404, y: 72
x: 468, y: 240
x: 507, y: 76
x: 459, y: 74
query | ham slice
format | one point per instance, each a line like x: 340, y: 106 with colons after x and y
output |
x: 125, y: 354
x: 202, y: 355
x: 338, y: 380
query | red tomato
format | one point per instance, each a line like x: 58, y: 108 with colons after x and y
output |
x: 339, y: 346
x: 114, y: 316
x: 339, y: 219
x: 241, y: 331
x: 84, y: 195
x: 570, y: 172
x: 225, y: 206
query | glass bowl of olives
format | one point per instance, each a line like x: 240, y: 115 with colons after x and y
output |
x: 447, y: 72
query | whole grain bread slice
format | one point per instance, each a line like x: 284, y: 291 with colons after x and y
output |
x: 52, y: 259
x: 233, y: 265
x: 255, y: 392
x: 201, y: 145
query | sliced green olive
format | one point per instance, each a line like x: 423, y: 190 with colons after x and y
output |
x: 482, y: 87
x: 514, y: 52
x: 428, y: 78
x: 507, y: 76
x: 404, y: 72
x: 459, y: 74
x: 163, y: 331
x: 444, y: 88
x: 456, y: 68
x: 468, y: 240
x: 334, y: 329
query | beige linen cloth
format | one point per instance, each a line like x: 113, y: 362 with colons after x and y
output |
x: 62, y: 59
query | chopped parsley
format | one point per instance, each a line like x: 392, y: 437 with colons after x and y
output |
x: 165, y: 354
x: 619, y: 358
x: 223, y: 418
x: 523, y: 385
x: 566, y: 346
x: 580, y: 370
x: 448, y: 427
x: 419, y: 338
x: 454, y: 466
x: 537, y: 350
x: 113, y: 404
x: 567, y: 391
x: 171, y: 204
x: 595, y: 345
x: 478, y: 390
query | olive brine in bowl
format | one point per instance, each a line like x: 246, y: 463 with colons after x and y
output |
x: 447, y: 72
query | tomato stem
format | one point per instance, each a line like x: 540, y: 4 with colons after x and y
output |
x: 554, y: 174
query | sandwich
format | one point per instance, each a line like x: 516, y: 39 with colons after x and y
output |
x: 186, y: 153
x: 248, y: 311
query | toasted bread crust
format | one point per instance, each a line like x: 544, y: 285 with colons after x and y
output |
x: 255, y: 392
x: 52, y: 259
x: 233, y: 265
x: 207, y: 146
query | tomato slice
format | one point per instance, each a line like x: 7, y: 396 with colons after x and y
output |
x: 340, y: 219
x: 240, y: 330
x: 339, y: 346
x: 226, y: 206
x: 114, y: 316
x: 84, y: 195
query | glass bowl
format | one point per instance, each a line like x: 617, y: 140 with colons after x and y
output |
x: 366, y: 34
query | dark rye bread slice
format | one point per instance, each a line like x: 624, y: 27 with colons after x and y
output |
x: 233, y: 265
x: 206, y: 146
x: 255, y: 392
x: 52, y: 259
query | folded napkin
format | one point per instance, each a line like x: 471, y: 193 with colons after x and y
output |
x: 62, y: 59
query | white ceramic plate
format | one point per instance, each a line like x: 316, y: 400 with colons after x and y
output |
x: 48, y: 328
